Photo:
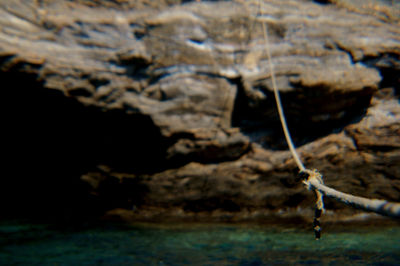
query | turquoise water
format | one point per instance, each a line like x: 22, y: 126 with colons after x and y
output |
x: 39, y: 244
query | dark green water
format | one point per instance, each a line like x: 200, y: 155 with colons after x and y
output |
x: 39, y: 244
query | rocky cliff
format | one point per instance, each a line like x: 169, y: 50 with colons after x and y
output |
x: 164, y: 109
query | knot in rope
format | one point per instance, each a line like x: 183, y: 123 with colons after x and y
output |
x: 309, y: 177
x: 313, y: 176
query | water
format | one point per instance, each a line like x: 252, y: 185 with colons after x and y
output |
x: 40, y: 244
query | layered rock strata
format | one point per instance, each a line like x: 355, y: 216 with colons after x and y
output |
x: 163, y: 108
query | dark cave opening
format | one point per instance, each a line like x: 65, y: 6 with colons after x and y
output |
x: 50, y: 140
x: 390, y: 79
x: 311, y: 114
x: 323, y: 2
x: 388, y: 65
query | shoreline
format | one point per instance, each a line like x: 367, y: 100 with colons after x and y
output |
x: 329, y: 219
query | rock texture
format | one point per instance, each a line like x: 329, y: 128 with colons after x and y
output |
x: 155, y: 109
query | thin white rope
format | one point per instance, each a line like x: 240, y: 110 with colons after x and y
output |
x: 279, y: 103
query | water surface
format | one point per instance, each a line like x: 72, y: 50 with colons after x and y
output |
x: 143, y: 244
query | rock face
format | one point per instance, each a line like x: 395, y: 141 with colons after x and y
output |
x: 165, y: 108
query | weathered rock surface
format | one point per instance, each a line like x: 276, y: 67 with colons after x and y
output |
x: 159, y: 108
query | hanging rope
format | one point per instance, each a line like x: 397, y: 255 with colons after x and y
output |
x: 279, y: 103
x: 312, y: 178
x: 319, y: 206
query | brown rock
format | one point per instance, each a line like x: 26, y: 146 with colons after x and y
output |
x: 158, y: 105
